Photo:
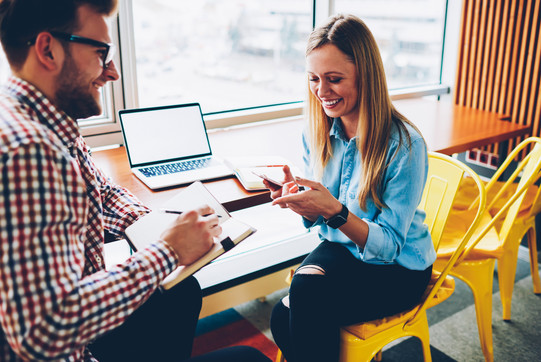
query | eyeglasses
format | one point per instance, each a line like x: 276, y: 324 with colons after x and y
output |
x: 109, y: 49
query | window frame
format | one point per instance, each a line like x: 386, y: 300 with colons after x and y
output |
x: 124, y: 94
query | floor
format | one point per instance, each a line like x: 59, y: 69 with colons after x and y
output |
x: 453, y: 329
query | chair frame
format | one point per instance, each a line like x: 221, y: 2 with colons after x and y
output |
x: 478, y: 272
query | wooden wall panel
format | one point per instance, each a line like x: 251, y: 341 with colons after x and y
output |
x: 499, y: 60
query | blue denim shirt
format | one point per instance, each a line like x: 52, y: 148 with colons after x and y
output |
x: 397, y: 234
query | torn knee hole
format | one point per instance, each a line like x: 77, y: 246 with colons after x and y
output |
x: 310, y: 269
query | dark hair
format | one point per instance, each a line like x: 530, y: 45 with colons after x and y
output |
x: 22, y: 20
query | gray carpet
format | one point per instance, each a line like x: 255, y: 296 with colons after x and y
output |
x: 453, y: 327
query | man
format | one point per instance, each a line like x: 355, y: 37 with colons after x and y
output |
x: 57, y: 301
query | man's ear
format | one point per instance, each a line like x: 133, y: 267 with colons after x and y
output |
x: 49, y: 52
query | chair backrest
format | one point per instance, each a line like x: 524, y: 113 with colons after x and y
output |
x: 528, y: 171
x: 444, y: 176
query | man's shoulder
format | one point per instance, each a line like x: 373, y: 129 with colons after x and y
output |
x: 18, y: 126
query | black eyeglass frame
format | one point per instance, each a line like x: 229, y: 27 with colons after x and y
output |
x: 108, y: 54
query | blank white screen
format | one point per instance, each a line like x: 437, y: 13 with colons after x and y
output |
x: 163, y: 134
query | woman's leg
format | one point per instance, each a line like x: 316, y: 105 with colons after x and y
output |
x: 279, y: 325
x: 331, y: 289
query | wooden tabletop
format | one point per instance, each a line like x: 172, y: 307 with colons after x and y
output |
x: 447, y: 129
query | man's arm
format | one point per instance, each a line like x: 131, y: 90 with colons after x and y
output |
x: 48, y: 308
x: 120, y: 207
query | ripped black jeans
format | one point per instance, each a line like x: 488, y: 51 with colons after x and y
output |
x: 350, y: 291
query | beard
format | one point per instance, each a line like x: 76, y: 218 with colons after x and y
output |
x: 73, y: 95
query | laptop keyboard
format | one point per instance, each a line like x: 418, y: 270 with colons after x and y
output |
x: 174, y: 167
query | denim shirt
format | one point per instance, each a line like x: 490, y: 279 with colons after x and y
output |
x: 397, y: 233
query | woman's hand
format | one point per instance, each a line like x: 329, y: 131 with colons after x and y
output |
x: 277, y: 191
x: 311, y: 203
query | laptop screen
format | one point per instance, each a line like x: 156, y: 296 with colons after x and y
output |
x: 162, y: 134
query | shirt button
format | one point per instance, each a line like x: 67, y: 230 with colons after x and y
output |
x: 98, y: 259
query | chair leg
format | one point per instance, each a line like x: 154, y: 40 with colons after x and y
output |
x: 507, y: 269
x: 534, y: 263
x: 422, y: 332
x: 279, y: 357
x: 479, y: 276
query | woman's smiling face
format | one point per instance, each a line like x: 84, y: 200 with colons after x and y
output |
x: 333, y: 80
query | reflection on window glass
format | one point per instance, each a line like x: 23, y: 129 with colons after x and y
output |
x: 409, y: 35
x: 224, y: 54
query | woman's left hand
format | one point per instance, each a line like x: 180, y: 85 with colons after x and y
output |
x: 315, y: 201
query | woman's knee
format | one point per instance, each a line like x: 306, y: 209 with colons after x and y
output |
x: 309, y: 286
x: 310, y: 269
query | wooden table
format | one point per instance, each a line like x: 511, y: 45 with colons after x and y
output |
x: 248, y: 274
x: 449, y: 128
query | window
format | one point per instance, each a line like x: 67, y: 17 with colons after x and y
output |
x: 224, y: 54
x: 243, y: 60
x: 237, y: 54
x: 409, y: 35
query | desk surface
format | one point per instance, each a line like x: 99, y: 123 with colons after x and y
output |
x: 447, y: 129
x: 251, y: 270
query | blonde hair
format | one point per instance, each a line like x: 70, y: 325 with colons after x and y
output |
x: 377, y: 114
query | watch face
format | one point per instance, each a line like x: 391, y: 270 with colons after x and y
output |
x: 339, y: 219
x: 336, y: 221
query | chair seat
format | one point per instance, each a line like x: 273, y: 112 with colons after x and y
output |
x: 455, y: 229
x: 468, y: 192
x: 368, y: 329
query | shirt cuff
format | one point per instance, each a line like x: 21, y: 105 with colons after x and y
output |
x: 308, y: 224
x: 374, y: 245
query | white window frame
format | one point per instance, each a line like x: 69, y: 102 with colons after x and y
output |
x: 105, y: 130
x: 124, y: 93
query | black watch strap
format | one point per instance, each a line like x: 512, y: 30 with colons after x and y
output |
x: 339, y: 219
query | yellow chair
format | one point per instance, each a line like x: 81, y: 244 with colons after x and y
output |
x: 364, y: 341
x: 497, y: 238
x: 498, y: 192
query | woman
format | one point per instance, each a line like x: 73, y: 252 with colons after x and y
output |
x: 371, y: 163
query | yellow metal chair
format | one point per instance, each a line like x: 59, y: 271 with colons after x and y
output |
x: 497, y: 238
x: 364, y: 341
x: 498, y: 192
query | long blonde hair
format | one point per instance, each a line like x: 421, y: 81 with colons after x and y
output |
x: 377, y: 114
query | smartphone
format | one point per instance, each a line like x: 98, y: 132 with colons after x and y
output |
x: 273, y: 182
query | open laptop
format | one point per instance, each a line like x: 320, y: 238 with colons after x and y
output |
x: 169, y: 146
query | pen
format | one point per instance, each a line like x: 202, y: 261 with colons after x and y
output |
x: 169, y: 211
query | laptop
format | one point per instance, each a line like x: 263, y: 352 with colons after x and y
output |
x: 169, y: 146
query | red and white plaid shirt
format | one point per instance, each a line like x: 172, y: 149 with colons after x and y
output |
x: 55, y: 294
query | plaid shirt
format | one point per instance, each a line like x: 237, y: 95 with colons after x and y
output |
x: 55, y: 294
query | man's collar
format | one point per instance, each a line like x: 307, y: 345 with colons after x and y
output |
x: 48, y: 114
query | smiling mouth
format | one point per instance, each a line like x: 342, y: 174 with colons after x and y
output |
x: 330, y: 103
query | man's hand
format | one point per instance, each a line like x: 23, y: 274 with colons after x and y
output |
x: 192, y: 234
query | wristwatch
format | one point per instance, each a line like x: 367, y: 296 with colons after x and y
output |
x: 339, y: 219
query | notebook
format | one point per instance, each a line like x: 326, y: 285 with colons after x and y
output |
x: 148, y: 229
x: 169, y: 146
